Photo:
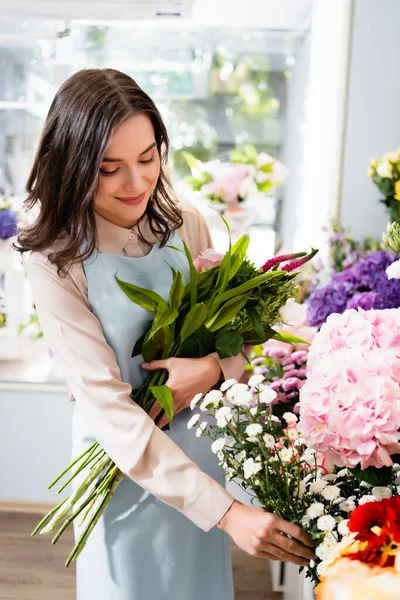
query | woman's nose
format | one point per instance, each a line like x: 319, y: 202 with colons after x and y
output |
x: 133, y: 181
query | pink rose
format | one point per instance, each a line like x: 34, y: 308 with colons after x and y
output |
x: 207, y: 260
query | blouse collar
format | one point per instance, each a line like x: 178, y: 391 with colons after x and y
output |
x: 112, y: 239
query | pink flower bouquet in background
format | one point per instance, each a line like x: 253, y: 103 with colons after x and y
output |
x: 246, y: 174
x: 350, y: 403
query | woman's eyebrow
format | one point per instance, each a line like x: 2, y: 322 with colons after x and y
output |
x: 108, y: 159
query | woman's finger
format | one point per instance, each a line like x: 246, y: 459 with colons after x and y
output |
x: 154, y: 365
x: 155, y: 410
x: 163, y: 421
x: 292, y: 546
x: 278, y: 553
x: 294, y: 531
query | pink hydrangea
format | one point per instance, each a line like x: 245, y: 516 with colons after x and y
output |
x: 350, y: 403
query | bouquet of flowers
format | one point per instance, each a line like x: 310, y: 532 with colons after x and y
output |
x: 366, y: 564
x: 350, y: 403
x: 247, y: 174
x: 385, y: 173
x: 221, y: 308
x: 267, y: 457
x: 365, y: 284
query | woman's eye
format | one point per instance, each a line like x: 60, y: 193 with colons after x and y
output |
x: 108, y: 172
x: 147, y: 161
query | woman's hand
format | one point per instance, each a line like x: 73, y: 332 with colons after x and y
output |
x: 264, y: 535
x: 187, y: 377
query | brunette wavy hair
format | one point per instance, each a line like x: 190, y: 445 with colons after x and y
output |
x: 85, y: 112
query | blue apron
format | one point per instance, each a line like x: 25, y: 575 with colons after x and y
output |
x: 142, y: 549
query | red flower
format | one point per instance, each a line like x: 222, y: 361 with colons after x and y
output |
x: 384, y: 514
x: 377, y: 529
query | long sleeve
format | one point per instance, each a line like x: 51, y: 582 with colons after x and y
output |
x: 128, y: 435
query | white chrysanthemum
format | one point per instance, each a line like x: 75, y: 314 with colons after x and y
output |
x: 211, y: 399
x: 227, y: 384
x: 366, y: 498
x: 331, y: 492
x: 274, y: 419
x: 251, y: 467
x: 326, y: 523
x: 347, y: 506
x: 339, y: 500
x: 325, y: 550
x: 254, y: 429
x: 289, y: 417
x: 269, y: 440
x: 317, y: 486
x: 240, y: 457
x: 328, y: 476
x: 253, y: 411
x: 253, y: 439
x: 286, y: 454
x: 342, y: 527
x: 255, y: 380
x: 195, y: 400
x: 305, y: 520
x: 266, y: 396
x: 292, y: 433
x: 235, y: 389
x: 343, y: 473
x: 380, y: 492
x: 218, y: 445
x: 315, y: 510
x: 201, y: 428
x: 193, y: 421
x: 223, y: 416
x: 301, y: 489
x: 242, y: 398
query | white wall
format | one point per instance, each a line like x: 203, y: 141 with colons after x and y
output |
x: 373, y: 110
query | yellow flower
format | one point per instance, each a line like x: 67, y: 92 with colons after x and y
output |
x: 397, y: 190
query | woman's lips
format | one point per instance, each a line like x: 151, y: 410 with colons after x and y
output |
x: 132, y: 200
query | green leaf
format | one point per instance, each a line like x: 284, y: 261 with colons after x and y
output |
x: 193, y: 277
x: 164, y: 316
x: 137, y: 348
x: 192, y: 162
x: 249, y: 285
x: 373, y: 475
x: 282, y: 336
x: 190, y: 349
x: 163, y: 394
x: 177, y: 290
x: 141, y: 296
x: 193, y: 320
x: 226, y: 313
x: 228, y: 344
x: 256, y: 322
x: 238, y: 254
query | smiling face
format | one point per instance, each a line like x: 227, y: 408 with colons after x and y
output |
x: 128, y: 173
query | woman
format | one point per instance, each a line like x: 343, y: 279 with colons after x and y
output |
x: 105, y: 206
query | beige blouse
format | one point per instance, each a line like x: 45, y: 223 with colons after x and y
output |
x: 129, y: 436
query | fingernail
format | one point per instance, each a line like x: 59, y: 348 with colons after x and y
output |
x: 144, y: 364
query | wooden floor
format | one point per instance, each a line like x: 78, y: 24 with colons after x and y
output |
x: 33, y: 569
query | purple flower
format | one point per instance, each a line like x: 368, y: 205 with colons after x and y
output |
x: 8, y: 223
x: 365, y: 300
x: 327, y: 300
